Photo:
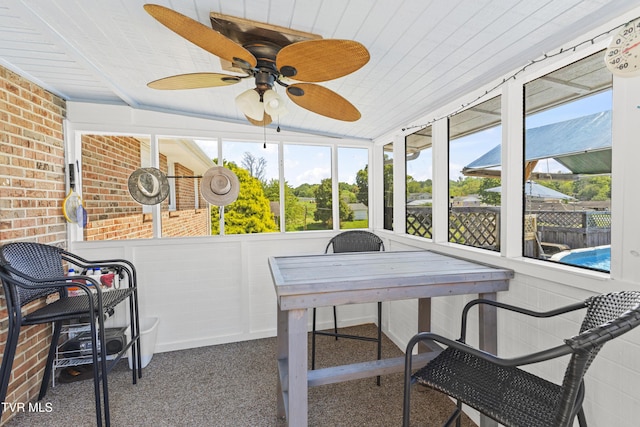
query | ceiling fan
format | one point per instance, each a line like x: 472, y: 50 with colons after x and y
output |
x: 269, y: 59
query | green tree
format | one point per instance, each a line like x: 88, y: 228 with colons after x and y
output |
x: 293, y: 210
x: 594, y: 188
x: 489, y: 197
x: 250, y: 213
x: 362, y: 182
x: 305, y: 190
x: 324, y: 210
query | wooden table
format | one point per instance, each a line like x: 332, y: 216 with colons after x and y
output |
x: 303, y: 282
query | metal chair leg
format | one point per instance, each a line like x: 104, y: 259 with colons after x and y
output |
x: 582, y: 420
x: 335, y: 322
x: 96, y: 372
x: 406, y: 402
x: 55, y: 337
x: 136, y: 355
x: 379, y: 336
x: 455, y: 416
x: 103, y: 372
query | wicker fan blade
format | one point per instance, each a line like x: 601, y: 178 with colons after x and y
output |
x: 321, y: 60
x: 266, y: 120
x: 322, y: 101
x: 194, y: 81
x: 207, y: 38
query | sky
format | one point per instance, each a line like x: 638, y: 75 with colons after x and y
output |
x: 467, y: 149
x: 311, y: 164
x: 302, y: 163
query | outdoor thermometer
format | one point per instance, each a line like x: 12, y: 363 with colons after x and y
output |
x: 623, y: 54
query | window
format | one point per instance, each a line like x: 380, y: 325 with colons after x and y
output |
x: 106, y: 163
x: 387, y: 187
x: 307, y: 171
x: 108, y: 160
x: 257, y: 209
x: 354, y: 187
x: 567, y: 191
x: 475, y: 136
x: 419, y: 174
x: 184, y: 213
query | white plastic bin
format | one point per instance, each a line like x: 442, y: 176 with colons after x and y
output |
x: 148, y: 336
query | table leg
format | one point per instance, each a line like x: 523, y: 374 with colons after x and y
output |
x: 297, y: 361
x: 282, y: 346
x: 488, y: 323
x: 424, y: 320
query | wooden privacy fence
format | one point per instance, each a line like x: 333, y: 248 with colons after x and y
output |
x: 575, y: 229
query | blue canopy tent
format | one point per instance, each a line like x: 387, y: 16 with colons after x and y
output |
x: 582, y: 145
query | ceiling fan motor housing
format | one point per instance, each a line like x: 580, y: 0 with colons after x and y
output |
x: 264, y: 79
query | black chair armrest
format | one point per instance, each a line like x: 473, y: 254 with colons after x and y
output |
x: 540, y: 356
x: 61, y: 283
x: 517, y: 309
x: 120, y: 265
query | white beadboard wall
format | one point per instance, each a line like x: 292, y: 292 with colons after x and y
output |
x: 208, y: 291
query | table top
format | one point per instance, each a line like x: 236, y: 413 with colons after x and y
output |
x: 332, y: 279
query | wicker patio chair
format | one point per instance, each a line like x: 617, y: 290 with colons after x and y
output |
x: 30, y: 271
x: 499, y: 389
x: 350, y: 241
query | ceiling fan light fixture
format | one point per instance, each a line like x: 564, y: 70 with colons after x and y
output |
x: 274, y: 104
x: 249, y: 103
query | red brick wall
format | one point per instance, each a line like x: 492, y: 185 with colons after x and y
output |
x: 190, y: 222
x: 185, y: 188
x: 107, y: 162
x: 32, y: 187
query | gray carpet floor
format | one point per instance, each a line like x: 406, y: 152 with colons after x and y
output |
x: 235, y: 385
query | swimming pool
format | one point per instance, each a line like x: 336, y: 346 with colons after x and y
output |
x: 598, y: 258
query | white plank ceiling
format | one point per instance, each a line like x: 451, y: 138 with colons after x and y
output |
x: 423, y: 53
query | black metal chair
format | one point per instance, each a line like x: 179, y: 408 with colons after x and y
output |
x: 30, y: 271
x: 350, y: 241
x: 513, y: 397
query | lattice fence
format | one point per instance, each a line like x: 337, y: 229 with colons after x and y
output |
x: 592, y: 219
x: 473, y: 226
x: 420, y: 222
x: 478, y: 227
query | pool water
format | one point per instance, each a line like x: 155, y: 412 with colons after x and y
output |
x: 598, y: 258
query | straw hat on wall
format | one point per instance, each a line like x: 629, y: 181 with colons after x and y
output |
x: 148, y: 186
x: 220, y: 186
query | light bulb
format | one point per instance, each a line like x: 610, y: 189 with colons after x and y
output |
x: 273, y: 103
x: 249, y: 103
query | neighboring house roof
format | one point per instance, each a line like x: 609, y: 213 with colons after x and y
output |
x: 418, y: 196
x: 582, y: 145
x: 358, y: 206
x: 533, y: 189
x: 420, y: 202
